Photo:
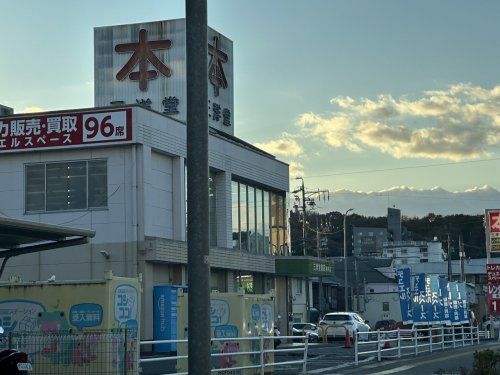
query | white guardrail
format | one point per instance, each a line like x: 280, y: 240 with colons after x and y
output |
x: 302, y: 347
x: 420, y: 340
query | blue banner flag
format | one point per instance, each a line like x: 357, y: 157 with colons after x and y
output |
x: 432, y: 299
x: 462, y: 303
x: 454, y: 308
x: 404, y: 290
x: 444, y: 293
x: 420, y: 307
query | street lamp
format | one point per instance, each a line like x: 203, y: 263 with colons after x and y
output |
x: 345, y: 258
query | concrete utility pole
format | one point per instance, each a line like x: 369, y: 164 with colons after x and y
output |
x: 462, y: 258
x: 345, y: 260
x: 449, y: 259
x: 197, y: 188
x: 320, y: 279
x: 357, y: 282
x: 306, y: 196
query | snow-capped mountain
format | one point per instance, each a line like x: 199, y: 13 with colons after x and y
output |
x: 412, y: 201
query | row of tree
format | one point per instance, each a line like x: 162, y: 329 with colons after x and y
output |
x: 331, y: 232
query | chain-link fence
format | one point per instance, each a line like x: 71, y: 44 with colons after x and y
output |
x: 85, y: 352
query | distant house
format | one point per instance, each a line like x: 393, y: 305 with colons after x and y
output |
x: 368, y: 241
x: 411, y: 252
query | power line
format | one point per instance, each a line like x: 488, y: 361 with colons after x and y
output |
x: 406, y: 167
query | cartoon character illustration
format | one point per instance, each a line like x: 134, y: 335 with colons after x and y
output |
x: 228, y: 361
x: 85, y: 350
x: 57, y: 350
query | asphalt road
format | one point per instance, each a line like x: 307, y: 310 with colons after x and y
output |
x: 333, y: 358
x: 447, y: 362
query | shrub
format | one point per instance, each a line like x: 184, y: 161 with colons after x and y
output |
x: 486, y: 362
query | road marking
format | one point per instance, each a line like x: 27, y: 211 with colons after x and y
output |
x: 321, y: 370
x: 408, y: 367
x: 393, y: 370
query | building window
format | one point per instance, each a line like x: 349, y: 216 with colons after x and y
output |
x: 258, y: 219
x: 298, y: 286
x: 385, y: 306
x: 75, y: 185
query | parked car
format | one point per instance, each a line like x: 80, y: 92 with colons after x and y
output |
x: 352, y: 321
x: 312, y: 331
x: 405, y: 329
x: 385, y: 325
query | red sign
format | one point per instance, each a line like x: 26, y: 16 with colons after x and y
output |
x: 494, y: 221
x: 65, y: 129
x: 493, y: 271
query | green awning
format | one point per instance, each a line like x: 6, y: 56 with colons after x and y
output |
x: 303, y: 267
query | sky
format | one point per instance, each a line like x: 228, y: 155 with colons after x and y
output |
x: 407, y: 91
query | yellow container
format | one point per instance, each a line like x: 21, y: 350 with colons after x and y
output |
x: 233, y: 315
x: 73, y: 325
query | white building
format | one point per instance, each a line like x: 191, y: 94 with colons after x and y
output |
x: 120, y: 170
x: 411, y: 252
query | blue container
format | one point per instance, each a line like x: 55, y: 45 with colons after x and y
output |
x: 165, y: 316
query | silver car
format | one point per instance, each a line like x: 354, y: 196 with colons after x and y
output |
x: 351, y: 321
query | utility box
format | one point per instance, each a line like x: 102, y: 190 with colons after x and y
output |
x: 165, y: 316
x: 73, y: 325
x: 233, y: 315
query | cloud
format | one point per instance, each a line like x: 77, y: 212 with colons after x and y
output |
x: 336, y: 131
x: 457, y: 123
x: 285, y: 146
x: 33, y: 109
x: 296, y: 169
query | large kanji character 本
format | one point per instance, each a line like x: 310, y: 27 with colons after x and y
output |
x: 216, y: 73
x: 142, y: 54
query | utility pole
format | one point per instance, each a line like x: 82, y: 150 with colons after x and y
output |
x: 462, y: 258
x: 357, y: 282
x: 306, y: 196
x: 449, y: 259
x: 320, y: 279
x: 345, y: 260
x: 197, y: 188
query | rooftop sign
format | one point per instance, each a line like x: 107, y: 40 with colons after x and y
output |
x: 146, y: 64
x: 492, y: 226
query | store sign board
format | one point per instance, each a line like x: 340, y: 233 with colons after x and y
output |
x: 493, y: 272
x: 145, y: 64
x: 20, y: 133
x: 299, y: 267
x: 492, y: 227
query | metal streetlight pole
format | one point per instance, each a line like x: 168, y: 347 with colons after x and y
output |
x: 345, y: 258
